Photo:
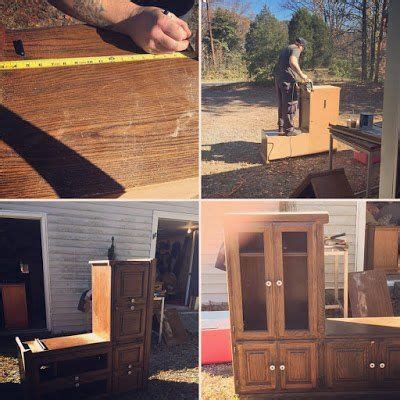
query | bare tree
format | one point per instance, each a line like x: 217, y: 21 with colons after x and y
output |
x: 364, y: 39
x: 382, y: 29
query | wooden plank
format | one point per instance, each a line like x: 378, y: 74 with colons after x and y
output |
x: 369, y: 294
x: 95, y: 130
x: 326, y: 185
x: 173, y: 331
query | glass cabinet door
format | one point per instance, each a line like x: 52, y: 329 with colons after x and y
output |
x: 295, y: 277
x: 255, y: 276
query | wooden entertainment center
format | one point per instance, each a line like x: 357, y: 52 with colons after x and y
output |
x: 114, y: 357
x: 282, y: 343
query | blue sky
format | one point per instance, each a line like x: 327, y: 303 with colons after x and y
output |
x: 274, y: 6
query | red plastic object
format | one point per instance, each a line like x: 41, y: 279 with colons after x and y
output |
x: 216, y: 346
x: 362, y: 158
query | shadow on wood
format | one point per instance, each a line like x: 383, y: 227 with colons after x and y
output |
x: 324, y: 185
x: 68, y: 173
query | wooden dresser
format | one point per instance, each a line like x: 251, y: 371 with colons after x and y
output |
x: 282, y: 343
x: 114, y: 357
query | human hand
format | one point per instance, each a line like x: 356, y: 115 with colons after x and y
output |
x: 156, y: 32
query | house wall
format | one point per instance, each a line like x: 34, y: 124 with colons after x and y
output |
x: 81, y: 231
x: 213, y: 281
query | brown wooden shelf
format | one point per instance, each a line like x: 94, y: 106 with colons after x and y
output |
x: 251, y: 254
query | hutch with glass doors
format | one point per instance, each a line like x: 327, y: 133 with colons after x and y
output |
x: 281, y: 340
x: 114, y: 357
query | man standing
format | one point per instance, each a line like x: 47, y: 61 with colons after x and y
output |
x: 287, y: 69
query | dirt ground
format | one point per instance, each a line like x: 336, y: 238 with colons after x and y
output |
x: 174, y: 370
x: 234, y: 115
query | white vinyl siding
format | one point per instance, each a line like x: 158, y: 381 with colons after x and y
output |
x: 80, y: 231
x: 342, y: 218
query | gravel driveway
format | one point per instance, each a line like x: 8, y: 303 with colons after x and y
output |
x: 234, y: 115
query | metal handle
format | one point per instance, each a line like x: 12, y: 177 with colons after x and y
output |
x: 132, y: 300
x: 130, y: 366
x: 279, y: 283
x: 77, y: 385
x: 132, y: 308
x: 272, y: 367
x: 268, y: 283
x: 372, y: 365
x: 382, y: 365
x: 129, y: 372
x: 76, y: 378
x: 282, y: 367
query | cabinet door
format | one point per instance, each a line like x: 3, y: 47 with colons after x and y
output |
x: 298, y: 365
x: 131, y: 284
x: 257, y: 367
x: 129, y: 322
x: 125, y: 381
x: 251, y: 269
x: 350, y: 364
x: 388, y: 365
x: 296, y: 282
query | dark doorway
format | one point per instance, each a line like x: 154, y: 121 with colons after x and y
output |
x: 177, y: 267
x: 22, y: 299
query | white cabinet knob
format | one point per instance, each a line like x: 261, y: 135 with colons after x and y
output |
x: 268, y: 283
x: 372, y: 365
x: 272, y: 367
x: 279, y: 283
x: 132, y: 308
x: 282, y: 367
x: 129, y: 372
x: 76, y: 385
x: 132, y: 300
x: 76, y: 378
x: 382, y: 365
x: 130, y: 366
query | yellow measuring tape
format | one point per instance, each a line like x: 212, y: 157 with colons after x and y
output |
x: 77, y: 61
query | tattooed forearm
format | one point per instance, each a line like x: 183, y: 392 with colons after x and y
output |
x: 91, y: 11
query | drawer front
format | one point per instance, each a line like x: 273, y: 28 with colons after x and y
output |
x: 132, y: 284
x: 127, y: 381
x: 350, y: 364
x: 86, y: 387
x: 129, y: 323
x: 128, y: 357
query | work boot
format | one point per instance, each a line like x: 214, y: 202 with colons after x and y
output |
x: 294, y: 132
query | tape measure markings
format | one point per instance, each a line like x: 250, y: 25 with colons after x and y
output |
x: 78, y: 61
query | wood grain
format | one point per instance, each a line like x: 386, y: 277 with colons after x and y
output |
x: 369, y: 294
x: 92, y: 131
x: 14, y: 305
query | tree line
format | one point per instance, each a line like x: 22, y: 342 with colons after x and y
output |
x: 345, y: 37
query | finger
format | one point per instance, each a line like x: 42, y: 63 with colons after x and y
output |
x: 185, y: 27
x: 166, y: 44
x: 171, y: 28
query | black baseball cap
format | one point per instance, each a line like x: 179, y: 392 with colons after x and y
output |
x: 302, y: 41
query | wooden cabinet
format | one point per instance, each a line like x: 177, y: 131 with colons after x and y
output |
x: 114, y: 358
x: 382, y: 247
x: 275, y: 280
x: 268, y: 366
x: 281, y: 341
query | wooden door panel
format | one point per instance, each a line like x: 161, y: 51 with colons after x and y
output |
x: 388, y: 365
x: 132, y: 284
x: 348, y: 364
x: 129, y: 323
x: 255, y: 372
x: 128, y: 356
x: 125, y: 381
x: 300, y: 362
x: 249, y: 270
x: 296, y: 287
